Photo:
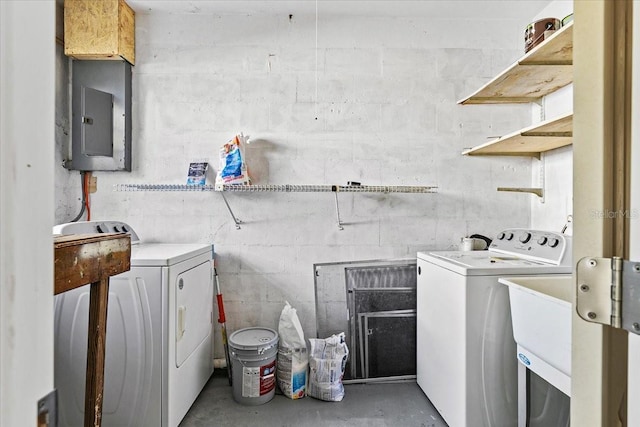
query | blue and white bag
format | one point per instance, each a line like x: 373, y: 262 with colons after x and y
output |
x: 233, y: 168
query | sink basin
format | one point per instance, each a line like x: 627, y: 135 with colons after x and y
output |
x: 541, y: 316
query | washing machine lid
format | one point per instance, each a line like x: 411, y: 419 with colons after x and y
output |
x: 166, y: 254
x: 489, y: 263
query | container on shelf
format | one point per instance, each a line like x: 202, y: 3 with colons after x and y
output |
x: 538, y: 31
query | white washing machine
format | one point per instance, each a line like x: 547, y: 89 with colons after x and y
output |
x: 465, y: 353
x: 159, y: 344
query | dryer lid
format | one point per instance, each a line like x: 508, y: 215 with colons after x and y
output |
x: 166, y: 254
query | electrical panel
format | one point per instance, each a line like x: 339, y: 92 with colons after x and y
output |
x: 96, y: 123
x: 101, y: 116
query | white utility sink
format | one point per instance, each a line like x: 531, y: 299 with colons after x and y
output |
x: 541, y: 316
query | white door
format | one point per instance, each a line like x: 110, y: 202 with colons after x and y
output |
x: 633, y: 414
x: 27, y: 67
x: 605, y: 128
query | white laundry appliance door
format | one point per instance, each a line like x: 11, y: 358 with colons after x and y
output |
x: 190, y: 339
x: 132, y: 383
x: 193, y: 309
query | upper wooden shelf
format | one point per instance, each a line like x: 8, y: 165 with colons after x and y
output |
x: 543, y: 70
x: 531, y: 141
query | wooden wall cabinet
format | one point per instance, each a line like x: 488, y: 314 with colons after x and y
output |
x: 103, y: 29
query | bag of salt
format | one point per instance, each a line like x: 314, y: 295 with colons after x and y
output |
x: 233, y: 166
x: 327, y: 361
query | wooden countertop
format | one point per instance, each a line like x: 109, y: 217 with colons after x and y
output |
x: 81, y: 259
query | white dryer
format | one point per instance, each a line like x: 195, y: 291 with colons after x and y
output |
x: 159, y: 349
x: 465, y: 351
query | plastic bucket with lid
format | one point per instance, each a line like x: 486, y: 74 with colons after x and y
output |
x: 253, y: 364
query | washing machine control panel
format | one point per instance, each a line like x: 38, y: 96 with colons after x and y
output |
x: 545, y: 246
x: 90, y: 227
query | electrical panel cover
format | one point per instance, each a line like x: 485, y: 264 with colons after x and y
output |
x: 101, y: 116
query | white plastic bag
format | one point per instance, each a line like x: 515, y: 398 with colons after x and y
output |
x: 293, y: 361
x: 327, y: 361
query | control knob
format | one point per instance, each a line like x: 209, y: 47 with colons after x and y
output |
x: 542, y: 241
x: 509, y: 236
x: 525, y: 237
x: 553, y: 242
x: 501, y: 236
x: 99, y: 229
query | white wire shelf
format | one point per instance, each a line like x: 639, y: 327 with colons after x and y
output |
x: 281, y: 188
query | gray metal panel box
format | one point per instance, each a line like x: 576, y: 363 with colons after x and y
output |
x: 101, y: 133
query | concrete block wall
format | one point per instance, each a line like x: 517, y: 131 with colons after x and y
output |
x: 384, y: 112
x: 68, y: 194
x: 557, y: 165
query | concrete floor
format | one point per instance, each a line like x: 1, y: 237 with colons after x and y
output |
x: 371, y: 405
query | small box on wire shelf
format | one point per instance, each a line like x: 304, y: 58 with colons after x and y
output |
x: 197, y: 173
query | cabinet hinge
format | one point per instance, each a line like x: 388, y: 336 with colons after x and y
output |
x: 609, y: 292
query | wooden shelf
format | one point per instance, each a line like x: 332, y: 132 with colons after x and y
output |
x: 530, y: 141
x: 543, y: 70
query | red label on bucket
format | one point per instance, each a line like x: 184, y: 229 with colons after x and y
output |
x: 267, y: 378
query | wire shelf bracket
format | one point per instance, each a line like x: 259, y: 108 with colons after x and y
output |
x: 235, y: 219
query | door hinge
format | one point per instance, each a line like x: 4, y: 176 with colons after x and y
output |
x: 609, y: 292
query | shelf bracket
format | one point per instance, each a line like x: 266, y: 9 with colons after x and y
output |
x: 537, y: 191
x: 235, y: 219
x: 541, y: 173
x: 340, y: 227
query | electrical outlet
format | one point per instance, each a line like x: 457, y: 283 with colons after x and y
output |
x: 93, y: 184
